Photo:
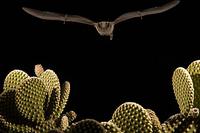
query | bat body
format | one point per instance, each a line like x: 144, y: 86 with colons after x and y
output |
x: 104, y: 28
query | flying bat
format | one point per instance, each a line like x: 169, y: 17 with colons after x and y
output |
x: 104, y: 28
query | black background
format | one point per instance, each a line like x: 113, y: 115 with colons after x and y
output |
x: 136, y: 66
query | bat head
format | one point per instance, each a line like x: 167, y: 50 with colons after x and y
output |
x: 105, y: 28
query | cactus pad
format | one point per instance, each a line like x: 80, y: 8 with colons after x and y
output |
x: 183, y: 89
x: 38, y: 70
x: 52, y: 84
x: 64, y: 123
x: 194, y: 71
x: 65, y: 91
x: 132, y: 117
x: 14, y: 78
x: 155, y: 121
x: 30, y: 98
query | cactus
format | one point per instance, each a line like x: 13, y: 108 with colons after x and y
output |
x: 33, y: 104
x: 111, y: 127
x: 71, y: 115
x: 155, y: 121
x: 87, y: 126
x: 194, y: 71
x: 14, y: 78
x: 30, y: 98
x: 132, y: 117
x: 183, y: 89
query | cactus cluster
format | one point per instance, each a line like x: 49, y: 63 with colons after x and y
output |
x: 35, y: 104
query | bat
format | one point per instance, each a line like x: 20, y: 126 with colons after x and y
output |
x: 104, y: 28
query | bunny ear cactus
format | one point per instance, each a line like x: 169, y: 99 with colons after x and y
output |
x: 14, y: 78
x: 30, y: 98
x: 186, y: 85
x: 183, y: 89
x: 155, y: 121
x: 52, y: 84
x: 32, y: 104
x: 132, y: 117
x: 35, y: 105
x: 194, y: 71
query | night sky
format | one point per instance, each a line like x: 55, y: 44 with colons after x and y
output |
x: 136, y: 66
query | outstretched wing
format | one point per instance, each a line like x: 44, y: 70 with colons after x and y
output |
x: 148, y: 11
x: 46, y: 15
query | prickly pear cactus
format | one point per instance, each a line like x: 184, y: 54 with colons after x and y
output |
x: 155, y: 121
x: 132, y: 117
x: 186, y: 88
x: 183, y: 89
x: 194, y: 71
x: 33, y: 104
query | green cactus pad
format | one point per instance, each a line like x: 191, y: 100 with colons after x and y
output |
x: 111, y: 127
x: 132, y: 117
x: 52, y: 84
x: 155, y: 121
x: 51, y: 80
x: 87, y: 126
x: 30, y: 98
x: 65, y: 91
x: 183, y: 89
x: 194, y: 71
x: 38, y: 70
x: 14, y: 79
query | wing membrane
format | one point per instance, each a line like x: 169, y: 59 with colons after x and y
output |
x: 46, y: 15
x: 145, y: 12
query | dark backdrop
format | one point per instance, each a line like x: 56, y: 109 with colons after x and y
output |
x: 137, y: 65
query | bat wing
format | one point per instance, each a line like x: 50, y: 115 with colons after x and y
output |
x: 145, y: 12
x: 46, y: 15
